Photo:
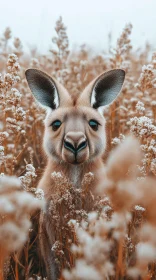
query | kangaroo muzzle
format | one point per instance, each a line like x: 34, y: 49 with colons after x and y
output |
x: 75, y: 144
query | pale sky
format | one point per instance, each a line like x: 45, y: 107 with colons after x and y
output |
x: 88, y: 21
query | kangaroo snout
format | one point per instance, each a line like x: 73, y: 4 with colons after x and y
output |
x: 75, y: 142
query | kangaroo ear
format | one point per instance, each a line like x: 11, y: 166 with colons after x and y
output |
x: 43, y: 87
x: 106, y: 88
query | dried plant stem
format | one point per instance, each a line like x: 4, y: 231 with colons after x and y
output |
x: 16, y: 271
x: 120, y: 266
x: 2, y: 260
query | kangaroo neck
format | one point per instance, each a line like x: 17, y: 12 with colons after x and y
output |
x: 74, y: 173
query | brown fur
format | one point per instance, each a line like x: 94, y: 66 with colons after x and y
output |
x: 75, y: 115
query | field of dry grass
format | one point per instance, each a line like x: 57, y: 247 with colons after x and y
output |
x: 114, y: 237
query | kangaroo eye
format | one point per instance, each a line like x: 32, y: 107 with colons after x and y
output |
x: 94, y: 124
x: 56, y: 124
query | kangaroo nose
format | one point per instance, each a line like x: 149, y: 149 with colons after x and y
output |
x: 75, y: 141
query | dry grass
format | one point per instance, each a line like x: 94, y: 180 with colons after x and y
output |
x: 111, y: 236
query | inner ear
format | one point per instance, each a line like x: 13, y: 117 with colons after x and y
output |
x: 43, y: 87
x: 107, y: 87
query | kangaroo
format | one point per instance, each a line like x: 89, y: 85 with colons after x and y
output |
x: 74, y: 138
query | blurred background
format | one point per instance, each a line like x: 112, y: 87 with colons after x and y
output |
x: 90, y: 22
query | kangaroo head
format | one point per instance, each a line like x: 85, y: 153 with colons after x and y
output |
x: 75, y: 127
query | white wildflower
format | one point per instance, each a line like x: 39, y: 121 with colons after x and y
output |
x: 140, y: 107
x: 92, y: 216
x: 139, y: 208
x: 21, y: 114
x: 142, y: 127
x: 145, y: 252
x: 118, y: 140
x: 39, y: 194
x: 56, y: 175
x: 15, y: 208
x: 1, y: 149
x: 27, y: 179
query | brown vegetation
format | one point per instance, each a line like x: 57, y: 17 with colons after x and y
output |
x: 115, y: 239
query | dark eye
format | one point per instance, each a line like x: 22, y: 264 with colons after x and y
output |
x: 56, y: 124
x: 94, y: 124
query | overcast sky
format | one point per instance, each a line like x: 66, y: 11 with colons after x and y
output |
x: 88, y: 21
